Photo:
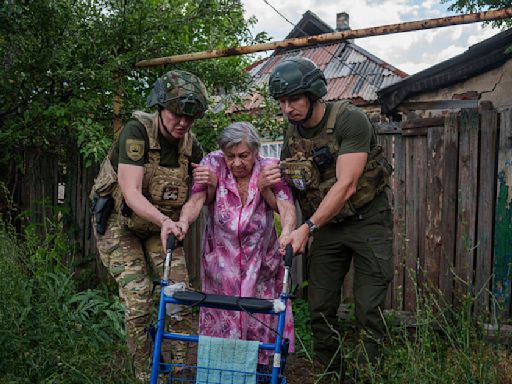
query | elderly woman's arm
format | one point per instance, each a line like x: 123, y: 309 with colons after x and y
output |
x: 269, y: 176
x: 204, y: 175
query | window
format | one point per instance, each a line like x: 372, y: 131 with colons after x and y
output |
x: 271, y: 150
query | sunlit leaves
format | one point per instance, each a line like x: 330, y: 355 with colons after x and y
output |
x: 59, y: 57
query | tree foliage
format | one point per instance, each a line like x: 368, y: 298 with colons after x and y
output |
x: 59, y: 58
x: 482, y: 5
x: 266, y: 119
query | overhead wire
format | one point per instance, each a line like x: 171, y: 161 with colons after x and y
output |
x: 352, y: 68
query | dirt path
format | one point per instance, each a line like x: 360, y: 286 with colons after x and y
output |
x: 299, y: 370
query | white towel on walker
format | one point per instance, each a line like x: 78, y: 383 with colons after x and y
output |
x: 226, y: 361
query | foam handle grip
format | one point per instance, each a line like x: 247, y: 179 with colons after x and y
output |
x: 171, y: 242
x: 288, y: 256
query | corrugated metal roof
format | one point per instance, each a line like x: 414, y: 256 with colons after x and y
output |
x: 351, y: 71
x: 477, y: 59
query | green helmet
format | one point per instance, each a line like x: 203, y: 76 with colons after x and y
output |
x: 297, y: 75
x: 180, y: 92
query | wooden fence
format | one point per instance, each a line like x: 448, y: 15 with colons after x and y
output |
x: 452, y: 220
x: 451, y: 196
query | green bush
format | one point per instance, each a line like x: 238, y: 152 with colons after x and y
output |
x: 49, y: 331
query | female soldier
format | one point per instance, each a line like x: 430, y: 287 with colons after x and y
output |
x: 144, y: 183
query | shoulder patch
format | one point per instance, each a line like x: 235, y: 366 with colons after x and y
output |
x: 135, y: 149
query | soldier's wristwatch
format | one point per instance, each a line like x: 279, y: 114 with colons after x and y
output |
x: 312, y: 226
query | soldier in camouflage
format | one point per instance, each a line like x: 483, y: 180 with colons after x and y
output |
x: 332, y: 161
x: 145, y: 181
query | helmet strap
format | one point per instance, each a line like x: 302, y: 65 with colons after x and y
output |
x: 308, y: 115
x: 162, y: 120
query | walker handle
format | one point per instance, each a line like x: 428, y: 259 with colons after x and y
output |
x: 288, y: 255
x: 171, y: 242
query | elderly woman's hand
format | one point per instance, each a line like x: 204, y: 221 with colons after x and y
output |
x: 269, y: 176
x: 204, y: 175
x: 284, y: 240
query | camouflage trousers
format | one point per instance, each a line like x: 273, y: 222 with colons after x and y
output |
x: 134, y: 261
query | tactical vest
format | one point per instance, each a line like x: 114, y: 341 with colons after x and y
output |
x: 165, y: 188
x: 311, y: 168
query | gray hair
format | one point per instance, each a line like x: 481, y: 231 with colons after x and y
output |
x: 236, y: 133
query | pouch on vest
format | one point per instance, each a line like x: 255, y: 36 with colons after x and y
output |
x: 102, y: 207
x: 168, y: 190
x: 374, y: 179
x: 348, y: 208
x: 300, y: 174
x: 130, y: 220
x: 138, y: 225
x: 106, y: 181
x: 323, y: 157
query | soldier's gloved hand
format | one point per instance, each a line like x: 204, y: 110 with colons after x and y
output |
x: 269, y: 176
x: 204, y: 175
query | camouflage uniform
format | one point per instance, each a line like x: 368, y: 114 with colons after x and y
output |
x: 131, y: 247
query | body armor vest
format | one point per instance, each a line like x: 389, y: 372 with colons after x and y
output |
x: 165, y: 188
x: 311, y: 168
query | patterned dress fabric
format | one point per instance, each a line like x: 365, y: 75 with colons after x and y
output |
x: 241, y: 256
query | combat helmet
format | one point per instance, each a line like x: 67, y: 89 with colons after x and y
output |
x: 180, y: 92
x: 297, y: 75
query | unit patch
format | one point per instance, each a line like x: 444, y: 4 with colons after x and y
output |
x: 298, y: 182
x: 135, y: 149
x: 170, y: 193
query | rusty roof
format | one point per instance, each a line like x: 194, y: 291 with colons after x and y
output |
x: 351, y: 71
x: 477, y: 59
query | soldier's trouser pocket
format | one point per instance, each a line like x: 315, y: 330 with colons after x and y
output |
x: 372, y: 241
x: 382, y: 249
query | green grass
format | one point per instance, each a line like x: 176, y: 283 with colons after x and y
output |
x: 445, y: 345
x: 51, y: 332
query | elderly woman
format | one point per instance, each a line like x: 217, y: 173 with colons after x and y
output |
x: 241, y: 248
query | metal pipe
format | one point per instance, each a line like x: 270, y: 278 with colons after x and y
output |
x: 333, y: 37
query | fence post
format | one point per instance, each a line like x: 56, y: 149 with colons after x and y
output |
x: 503, y: 220
x: 486, y: 198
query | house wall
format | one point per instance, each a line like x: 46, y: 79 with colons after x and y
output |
x: 494, y: 86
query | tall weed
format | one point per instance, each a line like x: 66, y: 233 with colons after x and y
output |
x: 444, y: 345
x: 49, y: 331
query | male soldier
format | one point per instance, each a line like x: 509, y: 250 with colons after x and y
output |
x: 138, y: 195
x: 332, y: 161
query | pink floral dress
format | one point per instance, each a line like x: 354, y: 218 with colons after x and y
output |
x: 241, y: 256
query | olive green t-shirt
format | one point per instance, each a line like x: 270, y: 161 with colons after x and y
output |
x: 133, y: 147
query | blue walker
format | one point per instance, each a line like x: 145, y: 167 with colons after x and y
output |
x: 162, y: 372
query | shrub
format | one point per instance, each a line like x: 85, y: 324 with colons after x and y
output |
x: 49, y: 331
